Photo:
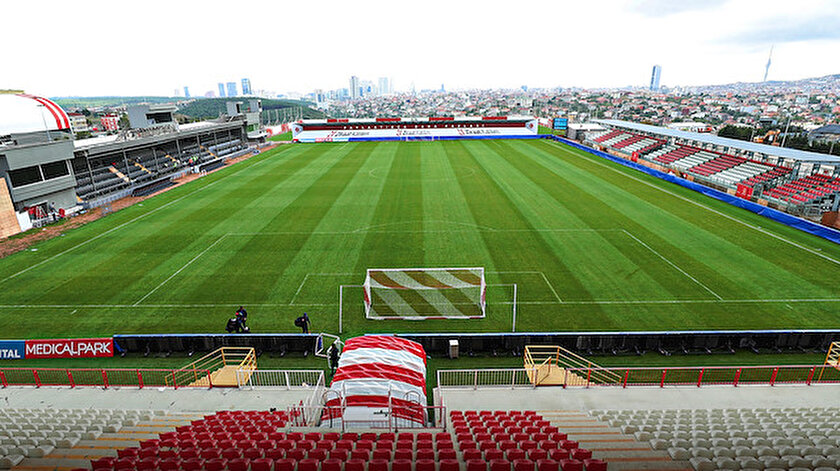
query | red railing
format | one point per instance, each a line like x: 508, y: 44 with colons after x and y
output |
x: 99, y: 377
x: 711, y: 375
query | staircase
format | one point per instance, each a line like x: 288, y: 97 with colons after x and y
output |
x: 553, y: 365
x: 217, y: 369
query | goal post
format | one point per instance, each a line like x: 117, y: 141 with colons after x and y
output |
x: 425, y: 293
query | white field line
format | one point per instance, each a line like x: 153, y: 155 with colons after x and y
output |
x: 121, y: 225
x: 180, y: 269
x: 411, y: 231
x: 672, y: 264
x: 567, y: 302
x: 292, y: 302
x: 701, y: 205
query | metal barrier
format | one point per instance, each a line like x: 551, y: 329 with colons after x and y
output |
x: 286, y: 379
x: 218, y: 362
x: 98, y: 377
x: 647, y: 376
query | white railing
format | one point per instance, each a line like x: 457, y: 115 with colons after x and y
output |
x: 485, y: 378
x: 285, y: 379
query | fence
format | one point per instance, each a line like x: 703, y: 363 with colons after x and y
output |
x: 285, y: 379
x: 98, y: 377
x: 646, y: 376
x: 390, y: 417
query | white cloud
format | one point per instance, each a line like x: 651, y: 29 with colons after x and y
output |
x: 153, y: 47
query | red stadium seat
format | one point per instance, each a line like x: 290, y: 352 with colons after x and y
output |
x: 215, y: 464
x: 400, y: 465
x: 476, y: 465
x: 494, y: 454
x: 447, y: 465
x: 275, y: 454
x: 192, y: 464
x: 472, y: 454
x: 331, y: 465
x: 559, y: 454
x: 286, y: 464
x: 571, y: 465
x: 318, y: 454
x: 296, y: 454
x: 425, y: 454
x: 148, y: 464
x: 381, y: 455
x: 250, y: 453
x: 239, y: 464
x: 262, y: 464
x: 355, y: 465
x: 339, y: 454
x: 363, y: 455
x: 403, y: 454
x: 548, y: 465
x: 581, y: 454
x: 378, y: 465
x: 595, y: 465
x: 500, y: 465
x: 307, y: 464
x: 425, y: 465
x: 537, y: 454
x: 170, y: 464
x: 514, y: 454
x: 523, y: 465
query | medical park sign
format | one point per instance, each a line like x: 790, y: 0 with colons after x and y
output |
x: 56, y: 348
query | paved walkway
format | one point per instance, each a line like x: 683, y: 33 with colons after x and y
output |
x: 181, y: 400
x: 707, y: 397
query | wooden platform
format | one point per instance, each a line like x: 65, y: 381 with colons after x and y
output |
x: 553, y: 375
x: 224, y: 377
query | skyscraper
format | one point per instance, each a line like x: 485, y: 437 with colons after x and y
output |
x: 246, y: 86
x: 221, y: 90
x: 355, y: 92
x: 186, y: 92
x: 231, y: 89
x: 384, y: 88
x: 654, y: 77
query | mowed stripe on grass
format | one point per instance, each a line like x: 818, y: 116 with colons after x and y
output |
x: 622, y: 250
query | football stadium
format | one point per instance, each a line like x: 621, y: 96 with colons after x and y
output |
x: 416, y: 294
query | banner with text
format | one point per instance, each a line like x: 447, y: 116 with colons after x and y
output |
x: 12, y: 349
x: 70, y: 348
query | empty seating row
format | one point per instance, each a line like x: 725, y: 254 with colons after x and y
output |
x: 692, y: 160
x: 332, y: 464
x: 806, y: 189
x: 717, y: 164
x: 738, y: 438
x: 32, y: 433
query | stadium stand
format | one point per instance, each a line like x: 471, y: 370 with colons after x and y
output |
x: 755, y: 438
x: 805, y: 189
x: 66, y: 437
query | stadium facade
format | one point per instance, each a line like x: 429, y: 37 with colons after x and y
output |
x: 802, y: 183
x: 44, y: 172
x: 402, y: 129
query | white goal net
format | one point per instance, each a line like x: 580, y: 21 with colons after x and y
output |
x: 425, y: 293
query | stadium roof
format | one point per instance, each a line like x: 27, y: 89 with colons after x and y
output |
x: 783, y: 152
x: 827, y: 129
x: 21, y: 113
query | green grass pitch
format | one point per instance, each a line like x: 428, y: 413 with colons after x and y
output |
x: 590, y: 245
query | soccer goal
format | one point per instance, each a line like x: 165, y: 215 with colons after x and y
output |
x: 425, y: 293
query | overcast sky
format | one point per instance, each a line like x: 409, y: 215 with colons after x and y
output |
x: 152, y: 47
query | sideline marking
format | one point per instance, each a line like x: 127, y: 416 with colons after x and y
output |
x: 567, y: 302
x: 292, y: 302
x: 591, y: 158
x: 671, y: 263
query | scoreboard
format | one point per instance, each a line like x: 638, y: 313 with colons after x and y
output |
x: 560, y: 124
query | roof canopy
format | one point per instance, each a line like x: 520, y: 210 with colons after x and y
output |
x: 783, y: 152
x: 22, y: 113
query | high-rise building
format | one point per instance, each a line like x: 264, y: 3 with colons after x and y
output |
x: 231, y: 89
x: 355, y: 90
x: 654, y: 77
x: 221, y: 90
x: 246, y: 86
x: 186, y: 92
x: 384, y: 87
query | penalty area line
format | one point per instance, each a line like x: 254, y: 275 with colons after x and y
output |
x: 665, y: 259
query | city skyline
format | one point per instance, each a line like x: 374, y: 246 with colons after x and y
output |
x: 729, y: 45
